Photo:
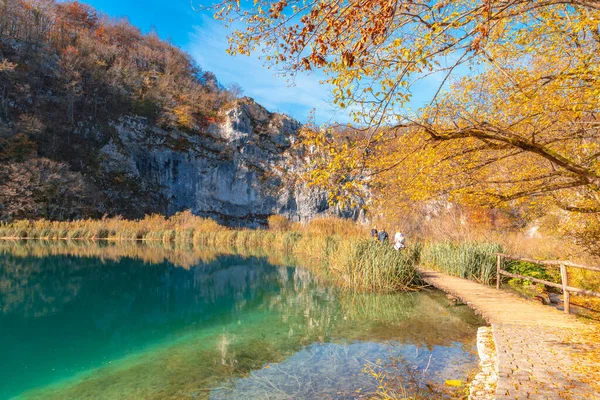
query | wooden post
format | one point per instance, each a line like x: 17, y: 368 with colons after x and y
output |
x: 498, y: 267
x: 565, y: 282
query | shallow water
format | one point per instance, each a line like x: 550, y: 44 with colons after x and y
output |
x: 220, y: 327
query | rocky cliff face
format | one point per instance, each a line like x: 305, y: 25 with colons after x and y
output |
x: 231, y: 173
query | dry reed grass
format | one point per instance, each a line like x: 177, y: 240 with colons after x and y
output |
x: 335, y: 248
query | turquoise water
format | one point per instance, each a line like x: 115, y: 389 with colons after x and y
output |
x: 228, y: 327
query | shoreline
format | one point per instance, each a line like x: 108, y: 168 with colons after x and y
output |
x: 352, y: 262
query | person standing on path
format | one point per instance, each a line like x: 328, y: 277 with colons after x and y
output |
x: 399, y: 241
x: 382, y: 236
x: 374, y: 233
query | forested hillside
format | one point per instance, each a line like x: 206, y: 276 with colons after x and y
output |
x: 67, y: 72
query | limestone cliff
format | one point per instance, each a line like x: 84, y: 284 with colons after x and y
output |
x: 232, y: 172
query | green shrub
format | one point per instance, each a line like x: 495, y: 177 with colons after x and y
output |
x: 533, y: 270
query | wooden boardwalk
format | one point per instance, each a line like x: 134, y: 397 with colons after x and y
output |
x: 542, y: 353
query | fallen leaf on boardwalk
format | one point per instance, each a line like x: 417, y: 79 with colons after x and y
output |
x: 454, y: 382
x: 583, y: 347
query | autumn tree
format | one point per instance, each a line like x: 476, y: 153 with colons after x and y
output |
x: 72, y: 80
x: 6, y: 68
x: 41, y: 188
x: 515, y: 111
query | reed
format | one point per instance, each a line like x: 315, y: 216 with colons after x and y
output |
x: 376, y: 266
x: 470, y: 260
x: 333, y: 248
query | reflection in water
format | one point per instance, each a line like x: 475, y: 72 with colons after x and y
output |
x: 227, y: 327
x: 183, y: 255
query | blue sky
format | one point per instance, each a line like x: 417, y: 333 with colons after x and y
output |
x: 205, y: 39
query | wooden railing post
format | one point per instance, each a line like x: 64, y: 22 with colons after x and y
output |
x: 498, y: 267
x: 565, y: 282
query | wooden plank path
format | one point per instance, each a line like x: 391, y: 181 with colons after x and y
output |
x: 542, y: 353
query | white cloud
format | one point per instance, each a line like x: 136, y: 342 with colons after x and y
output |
x: 208, y: 45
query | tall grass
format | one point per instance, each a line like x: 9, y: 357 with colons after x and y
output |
x: 152, y: 227
x: 351, y: 262
x: 335, y: 248
x: 376, y: 266
x: 470, y: 260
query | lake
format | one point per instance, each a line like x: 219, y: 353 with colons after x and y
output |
x: 105, y: 321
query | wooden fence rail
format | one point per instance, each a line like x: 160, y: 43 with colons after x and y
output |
x: 564, y: 285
